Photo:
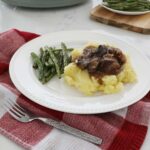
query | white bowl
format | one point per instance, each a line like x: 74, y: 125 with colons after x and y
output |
x: 43, y: 3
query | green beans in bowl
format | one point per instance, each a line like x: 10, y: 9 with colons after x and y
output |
x: 128, y: 5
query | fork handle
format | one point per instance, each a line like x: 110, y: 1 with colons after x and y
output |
x: 68, y: 129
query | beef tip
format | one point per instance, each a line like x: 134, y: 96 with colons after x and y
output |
x: 108, y: 55
x: 109, y: 66
x: 89, y: 51
x: 120, y: 57
x: 82, y: 62
x: 102, y: 50
x: 104, y: 60
x: 117, y: 54
x: 93, y: 64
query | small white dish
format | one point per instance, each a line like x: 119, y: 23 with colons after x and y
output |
x: 125, y: 12
x: 60, y: 96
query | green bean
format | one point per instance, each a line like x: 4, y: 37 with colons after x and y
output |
x: 37, y: 61
x: 50, y: 77
x: 68, y: 49
x: 60, y: 62
x: 41, y: 53
x: 35, y: 66
x: 65, y: 54
x: 47, y: 72
x: 45, y: 56
x: 55, y: 61
x: 51, y: 62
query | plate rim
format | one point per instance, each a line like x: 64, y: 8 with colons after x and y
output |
x: 60, y: 107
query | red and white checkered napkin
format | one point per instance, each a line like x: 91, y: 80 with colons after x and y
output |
x: 120, y: 130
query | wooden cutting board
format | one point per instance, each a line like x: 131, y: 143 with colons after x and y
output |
x: 139, y: 23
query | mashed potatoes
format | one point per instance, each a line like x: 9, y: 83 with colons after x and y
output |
x: 88, y: 84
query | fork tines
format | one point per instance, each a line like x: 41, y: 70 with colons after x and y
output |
x: 13, y: 108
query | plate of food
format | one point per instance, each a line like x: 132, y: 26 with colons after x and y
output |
x: 130, y: 7
x: 80, y: 72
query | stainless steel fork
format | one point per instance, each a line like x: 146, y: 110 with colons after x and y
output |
x: 22, y: 115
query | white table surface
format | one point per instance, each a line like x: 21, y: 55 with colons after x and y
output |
x: 72, y: 18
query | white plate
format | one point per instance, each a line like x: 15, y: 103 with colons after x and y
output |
x: 60, y: 96
x: 125, y: 12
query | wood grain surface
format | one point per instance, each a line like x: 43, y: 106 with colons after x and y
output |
x: 139, y: 23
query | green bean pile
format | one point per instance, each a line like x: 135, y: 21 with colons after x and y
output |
x: 128, y: 5
x: 51, y: 62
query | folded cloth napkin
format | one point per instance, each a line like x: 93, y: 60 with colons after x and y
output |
x: 124, y: 129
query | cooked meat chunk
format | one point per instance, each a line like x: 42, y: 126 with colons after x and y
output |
x: 104, y: 60
x: 88, y: 51
x: 109, y: 66
x: 93, y: 64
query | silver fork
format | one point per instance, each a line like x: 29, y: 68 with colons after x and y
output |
x: 22, y: 115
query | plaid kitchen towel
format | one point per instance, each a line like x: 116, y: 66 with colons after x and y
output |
x: 124, y: 129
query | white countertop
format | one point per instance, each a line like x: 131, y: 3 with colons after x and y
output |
x: 71, y: 18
